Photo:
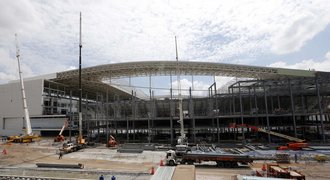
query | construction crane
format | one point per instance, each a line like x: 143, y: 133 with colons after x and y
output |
x: 81, y: 140
x: 60, y: 137
x: 28, y: 137
x: 294, y: 144
x: 182, y: 140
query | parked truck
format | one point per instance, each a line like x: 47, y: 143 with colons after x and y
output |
x: 72, y: 147
x: 191, y: 157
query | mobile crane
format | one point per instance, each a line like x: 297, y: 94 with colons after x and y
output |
x: 294, y: 144
x: 80, y: 141
x: 28, y: 137
x: 112, y: 143
x: 60, y: 137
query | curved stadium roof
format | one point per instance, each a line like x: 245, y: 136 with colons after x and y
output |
x: 92, y: 76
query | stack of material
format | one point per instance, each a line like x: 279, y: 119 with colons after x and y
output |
x: 131, y: 148
x: 48, y: 165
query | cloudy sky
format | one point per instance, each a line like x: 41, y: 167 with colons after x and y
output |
x: 291, y: 34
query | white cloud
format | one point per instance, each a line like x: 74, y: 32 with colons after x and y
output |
x: 116, y: 31
x: 327, y: 55
x: 296, y: 33
x: 8, y: 66
x: 199, y: 88
x: 309, y: 64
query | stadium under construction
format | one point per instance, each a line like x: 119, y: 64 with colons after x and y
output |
x: 288, y: 101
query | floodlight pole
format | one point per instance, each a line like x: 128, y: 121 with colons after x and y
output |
x: 80, y: 88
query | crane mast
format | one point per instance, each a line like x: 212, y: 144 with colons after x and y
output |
x: 182, y: 138
x: 80, y: 138
x: 25, y: 108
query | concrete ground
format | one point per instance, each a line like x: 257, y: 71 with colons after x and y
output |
x: 21, y: 159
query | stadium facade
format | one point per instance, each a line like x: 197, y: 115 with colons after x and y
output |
x: 292, y: 102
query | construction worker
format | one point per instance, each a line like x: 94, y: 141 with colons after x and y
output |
x: 101, y: 177
x: 61, y: 155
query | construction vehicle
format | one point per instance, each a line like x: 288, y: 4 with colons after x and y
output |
x: 221, y: 159
x: 60, y: 137
x: 72, y: 147
x: 320, y: 157
x: 112, y: 143
x: 276, y: 171
x: 80, y: 140
x: 28, y: 137
x: 294, y: 144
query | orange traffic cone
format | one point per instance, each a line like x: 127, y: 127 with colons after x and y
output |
x: 264, y: 167
x: 152, y: 171
x: 161, y: 163
x: 4, y: 152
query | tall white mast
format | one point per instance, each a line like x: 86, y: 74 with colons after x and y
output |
x: 26, y: 111
x: 80, y: 88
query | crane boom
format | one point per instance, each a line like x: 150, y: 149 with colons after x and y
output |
x: 182, y: 139
x: 255, y: 128
x: 26, y: 111
x: 63, y: 127
x: 281, y: 135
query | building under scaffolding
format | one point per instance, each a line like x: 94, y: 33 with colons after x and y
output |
x: 292, y: 102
